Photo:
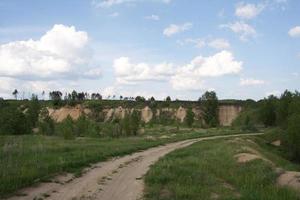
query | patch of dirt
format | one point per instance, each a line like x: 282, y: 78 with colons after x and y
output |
x: 147, y: 114
x: 276, y: 143
x: 290, y: 179
x: 60, y: 114
x: 180, y: 114
x: 246, y: 157
x: 165, y: 193
x: 123, y: 177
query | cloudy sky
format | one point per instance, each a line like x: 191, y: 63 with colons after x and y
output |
x: 240, y: 49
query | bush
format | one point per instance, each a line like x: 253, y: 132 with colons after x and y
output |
x: 13, y: 121
x: 293, y: 136
x: 209, y: 103
x: 81, y: 126
x: 67, y: 129
x: 189, y: 119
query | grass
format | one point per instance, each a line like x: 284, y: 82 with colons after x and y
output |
x: 208, y: 170
x: 28, y: 159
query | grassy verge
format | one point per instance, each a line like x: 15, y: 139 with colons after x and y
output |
x: 31, y: 158
x: 209, y: 170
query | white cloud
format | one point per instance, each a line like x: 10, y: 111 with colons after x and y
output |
x: 130, y: 73
x: 248, y: 11
x: 251, y: 82
x: 153, y: 17
x: 219, y: 43
x: 176, y: 28
x: 243, y: 29
x: 295, y: 32
x: 60, y: 52
x: 199, y: 43
x: 115, y: 14
x: 110, y: 3
x: 191, y: 76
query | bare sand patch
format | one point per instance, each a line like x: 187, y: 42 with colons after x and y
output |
x: 246, y: 157
x: 276, y: 143
x: 290, y: 179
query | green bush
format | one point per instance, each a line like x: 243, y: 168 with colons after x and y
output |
x: 13, y: 121
x: 67, y: 128
x: 189, y: 119
x: 293, y: 136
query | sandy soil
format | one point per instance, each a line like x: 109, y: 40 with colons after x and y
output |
x: 117, y: 179
x: 290, y: 179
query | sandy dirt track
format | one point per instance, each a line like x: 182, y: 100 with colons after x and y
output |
x: 116, y: 179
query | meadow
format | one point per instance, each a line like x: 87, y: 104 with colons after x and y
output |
x: 209, y: 170
x: 28, y: 159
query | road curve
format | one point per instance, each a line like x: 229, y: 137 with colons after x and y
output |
x: 116, y: 179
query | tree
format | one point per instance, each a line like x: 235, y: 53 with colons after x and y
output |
x: 13, y: 121
x: 168, y: 99
x: 209, y: 103
x: 46, y: 124
x: 283, y: 108
x: 268, y: 111
x: 33, y: 111
x: 126, y: 124
x: 67, y: 128
x: 55, y: 96
x: 189, y: 119
x: 293, y: 136
x: 140, y: 99
x: 152, y: 99
x: 15, y: 94
x: 135, y: 122
x: 81, y: 126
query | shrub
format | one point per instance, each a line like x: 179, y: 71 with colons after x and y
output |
x: 189, y: 119
x: 81, y: 126
x: 209, y: 103
x: 293, y: 136
x: 13, y: 121
x: 67, y: 128
x: 135, y: 122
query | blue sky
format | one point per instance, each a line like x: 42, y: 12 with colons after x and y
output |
x: 240, y: 49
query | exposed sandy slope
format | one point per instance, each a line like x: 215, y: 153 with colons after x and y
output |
x: 116, y: 179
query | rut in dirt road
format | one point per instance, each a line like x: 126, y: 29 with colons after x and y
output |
x: 116, y: 179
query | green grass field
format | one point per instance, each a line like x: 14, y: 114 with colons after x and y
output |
x: 209, y: 170
x: 32, y: 158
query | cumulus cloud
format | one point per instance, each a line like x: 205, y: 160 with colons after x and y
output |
x: 251, y: 82
x: 244, y: 30
x: 295, y: 31
x: 188, y: 77
x: 60, y: 52
x: 219, y: 43
x: 131, y: 73
x: 153, y: 17
x: 191, y: 76
x: 248, y: 11
x: 177, y: 28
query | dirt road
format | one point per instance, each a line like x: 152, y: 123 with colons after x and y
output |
x: 116, y: 179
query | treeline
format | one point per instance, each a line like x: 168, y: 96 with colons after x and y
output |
x: 32, y: 117
x: 18, y: 120
x: 282, y: 112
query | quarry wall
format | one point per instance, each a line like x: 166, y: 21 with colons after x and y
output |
x: 227, y: 113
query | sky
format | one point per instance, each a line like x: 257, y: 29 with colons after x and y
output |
x: 239, y: 48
